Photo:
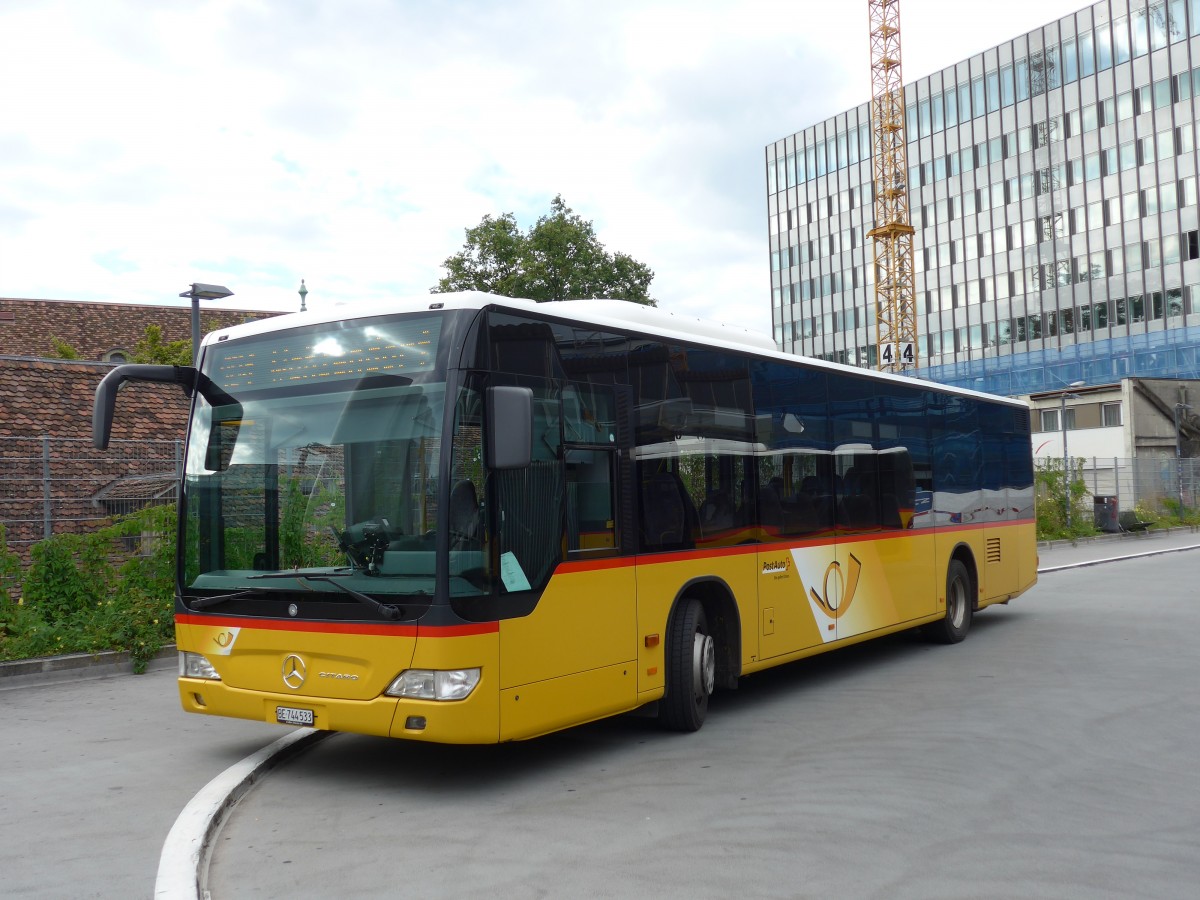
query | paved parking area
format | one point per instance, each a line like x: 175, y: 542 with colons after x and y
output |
x: 1052, y: 754
x: 94, y: 773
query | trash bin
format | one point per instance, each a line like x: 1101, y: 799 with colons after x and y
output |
x: 1107, y: 516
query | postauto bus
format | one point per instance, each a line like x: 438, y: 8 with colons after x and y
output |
x: 466, y: 518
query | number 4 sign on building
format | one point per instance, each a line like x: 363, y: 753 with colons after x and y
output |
x: 905, y: 354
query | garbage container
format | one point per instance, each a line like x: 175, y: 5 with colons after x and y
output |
x: 1107, y: 516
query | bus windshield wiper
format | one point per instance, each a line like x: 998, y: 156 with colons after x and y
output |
x: 387, y: 610
x: 205, y: 602
x: 347, y: 572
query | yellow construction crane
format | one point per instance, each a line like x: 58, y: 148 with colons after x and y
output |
x: 895, y: 303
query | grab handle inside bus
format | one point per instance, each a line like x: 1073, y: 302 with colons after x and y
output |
x: 510, y: 427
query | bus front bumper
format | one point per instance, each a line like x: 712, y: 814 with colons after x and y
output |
x: 475, y: 720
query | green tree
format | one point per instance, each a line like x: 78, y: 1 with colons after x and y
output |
x: 558, y: 258
x: 63, y: 350
x: 151, y: 348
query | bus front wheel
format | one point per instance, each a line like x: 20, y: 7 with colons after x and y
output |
x: 953, y: 627
x: 691, y: 669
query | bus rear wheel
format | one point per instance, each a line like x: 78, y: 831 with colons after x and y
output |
x: 954, y: 625
x: 691, y: 669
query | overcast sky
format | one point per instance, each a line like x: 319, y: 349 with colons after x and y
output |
x: 147, y: 144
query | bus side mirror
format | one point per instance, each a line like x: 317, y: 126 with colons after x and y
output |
x: 105, y: 403
x: 510, y: 427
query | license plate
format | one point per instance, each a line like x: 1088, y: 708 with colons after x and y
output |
x: 288, y: 715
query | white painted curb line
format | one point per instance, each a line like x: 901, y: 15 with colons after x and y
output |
x: 183, y: 865
x: 1112, y: 559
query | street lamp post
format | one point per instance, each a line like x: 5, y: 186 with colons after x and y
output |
x: 199, y: 292
x: 1179, y: 453
x: 1062, y: 421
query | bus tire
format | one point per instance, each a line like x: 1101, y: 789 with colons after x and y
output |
x: 691, y: 669
x: 953, y: 627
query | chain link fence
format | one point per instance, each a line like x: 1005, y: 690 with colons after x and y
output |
x: 1147, y: 486
x: 54, y: 486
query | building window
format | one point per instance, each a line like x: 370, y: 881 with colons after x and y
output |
x: 1174, y: 302
x: 1125, y: 105
x: 1111, y: 414
x: 1049, y: 420
x: 1108, y: 161
x: 1162, y: 93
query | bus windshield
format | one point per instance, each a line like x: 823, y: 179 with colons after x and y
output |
x: 316, y: 456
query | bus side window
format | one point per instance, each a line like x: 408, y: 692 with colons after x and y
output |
x: 591, y: 510
x: 527, y: 521
x: 858, y: 501
x: 897, y: 490
x: 668, y: 516
x: 590, y: 454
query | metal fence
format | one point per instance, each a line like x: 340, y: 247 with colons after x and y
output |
x: 1157, y: 485
x: 54, y: 486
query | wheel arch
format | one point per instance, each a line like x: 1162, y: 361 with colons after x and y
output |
x: 724, y: 621
x: 963, y: 553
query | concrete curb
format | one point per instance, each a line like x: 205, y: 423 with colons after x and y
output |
x: 1097, y: 562
x: 75, y: 666
x: 183, y: 864
x: 1106, y: 538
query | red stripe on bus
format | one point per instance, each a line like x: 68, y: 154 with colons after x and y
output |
x: 431, y: 631
x: 774, y: 546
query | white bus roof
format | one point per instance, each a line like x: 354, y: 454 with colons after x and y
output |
x: 617, y: 315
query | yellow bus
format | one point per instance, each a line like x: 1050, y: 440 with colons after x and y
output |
x: 470, y: 519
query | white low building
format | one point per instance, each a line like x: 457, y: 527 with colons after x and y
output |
x: 1129, y: 436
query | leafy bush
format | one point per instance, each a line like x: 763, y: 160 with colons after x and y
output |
x: 67, y: 576
x: 1144, y: 513
x: 10, y: 571
x: 1174, y: 514
x: 109, y: 590
x: 1051, y: 502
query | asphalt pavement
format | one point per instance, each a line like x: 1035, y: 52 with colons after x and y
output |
x: 100, y: 765
x: 95, y: 771
x: 1049, y: 756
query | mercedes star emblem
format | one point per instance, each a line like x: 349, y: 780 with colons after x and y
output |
x: 293, y: 671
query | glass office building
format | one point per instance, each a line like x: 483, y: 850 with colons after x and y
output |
x: 1052, y: 186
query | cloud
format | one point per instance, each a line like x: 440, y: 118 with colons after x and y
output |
x: 253, y: 143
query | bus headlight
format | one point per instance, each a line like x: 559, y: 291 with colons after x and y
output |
x: 193, y: 665
x: 429, y: 684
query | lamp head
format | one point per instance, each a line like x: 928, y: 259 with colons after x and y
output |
x: 202, y: 291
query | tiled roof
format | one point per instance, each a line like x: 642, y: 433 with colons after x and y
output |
x: 46, y: 411
x: 29, y: 327
x: 45, y: 398
x: 53, y: 398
